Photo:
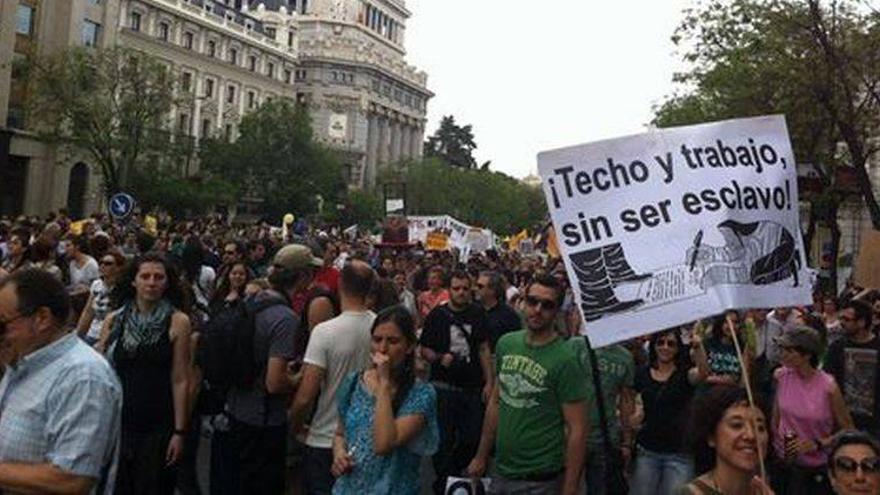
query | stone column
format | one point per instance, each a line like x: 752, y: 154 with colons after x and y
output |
x: 395, y: 141
x: 382, y: 155
x: 405, y: 138
x: 368, y: 176
x: 416, y: 142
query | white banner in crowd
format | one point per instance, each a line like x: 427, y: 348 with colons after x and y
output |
x: 664, y: 228
x: 461, y: 235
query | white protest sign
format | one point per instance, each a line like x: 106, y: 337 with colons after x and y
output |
x: 466, y: 486
x: 667, y: 227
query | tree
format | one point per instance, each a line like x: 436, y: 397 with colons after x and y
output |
x: 113, y: 104
x: 276, y: 159
x: 453, y: 144
x: 477, y: 197
x: 815, y: 64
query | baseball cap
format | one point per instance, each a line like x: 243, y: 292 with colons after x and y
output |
x: 802, y: 338
x: 296, y: 257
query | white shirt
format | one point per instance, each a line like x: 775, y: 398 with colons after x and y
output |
x: 339, y: 346
x: 86, y: 275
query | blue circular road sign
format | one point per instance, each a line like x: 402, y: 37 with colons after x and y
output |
x: 121, y: 205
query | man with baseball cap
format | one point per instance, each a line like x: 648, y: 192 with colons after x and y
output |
x: 258, y: 411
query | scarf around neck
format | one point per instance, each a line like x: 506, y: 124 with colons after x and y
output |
x: 144, y: 329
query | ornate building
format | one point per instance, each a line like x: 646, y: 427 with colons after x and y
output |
x: 345, y: 59
x: 365, y: 100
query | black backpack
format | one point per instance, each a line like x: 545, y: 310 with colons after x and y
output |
x: 226, y: 346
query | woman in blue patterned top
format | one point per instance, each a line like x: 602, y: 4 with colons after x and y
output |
x: 387, y: 419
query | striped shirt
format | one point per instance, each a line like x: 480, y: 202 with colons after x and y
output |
x: 61, y: 405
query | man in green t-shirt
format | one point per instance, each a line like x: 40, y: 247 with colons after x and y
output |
x: 537, y: 415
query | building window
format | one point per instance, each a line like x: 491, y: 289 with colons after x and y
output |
x: 233, y: 56
x: 188, y: 40
x: 251, y: 99
x: 24, y: 20
x: 287, y: 76
x: 229, y: 132
x: 186, y: 81
x: 135, y: 21
x: 212, y: 48
x: 270, y: 70
x: 183, y: 122
x: 230, y: 94
x: 300, y: 75
x: 270, y: 32
x: 164, y: 30
x: 290, y: 40
x: 206, y: 128
x: 252, y: 63
x: 91, y: 31
x: 209, y: 88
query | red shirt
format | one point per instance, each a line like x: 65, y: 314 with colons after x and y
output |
x: 329, y: 278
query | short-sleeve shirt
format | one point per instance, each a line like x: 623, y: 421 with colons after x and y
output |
x: 338, y: 346
x: 617, y: 369
x: 427, y: 301
x: 274, y: 330
x: 460, y: 333
x: 501, y: 319
x: 86, y: 275
x: 398, y: 472
x: 62, y: 404
x: 534, y: 383
x: 855, y: 367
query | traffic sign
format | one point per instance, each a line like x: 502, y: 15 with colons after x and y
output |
x: 121, y: 205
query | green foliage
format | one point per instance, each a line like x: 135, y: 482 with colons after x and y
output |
x: 275, y: 158
x: 364, y: 208
x: 179, y: 196
x: 453, y: 144
x: 477, y: 197
x: 110, y: 103
x: 818, y: 65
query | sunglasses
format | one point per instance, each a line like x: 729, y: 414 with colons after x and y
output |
x: 546, y: 304
x: 666, y: 343
x: 844, y: 464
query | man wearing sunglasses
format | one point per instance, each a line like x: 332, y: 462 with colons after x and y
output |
x: 60, y: 400
x: 855, y: 464
x: 854, y: 362
x: 537, y: 415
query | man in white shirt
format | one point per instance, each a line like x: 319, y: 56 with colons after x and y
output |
x: 337, y: 347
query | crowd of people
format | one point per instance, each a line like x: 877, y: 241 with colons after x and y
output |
x: 318, y: 362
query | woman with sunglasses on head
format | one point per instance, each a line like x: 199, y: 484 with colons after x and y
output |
x: 854, y: 463
x: 148, y: 341
x: 808, y: 409
x: 727, y: 438
x: 387, y: 419
x: 666, y: 386
x: 91, y: 320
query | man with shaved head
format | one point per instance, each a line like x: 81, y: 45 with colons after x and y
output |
x: 336, y: 348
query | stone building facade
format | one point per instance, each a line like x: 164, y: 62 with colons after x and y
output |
x: 345, y: 59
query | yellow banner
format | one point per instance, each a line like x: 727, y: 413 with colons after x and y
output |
x: 437, y: 241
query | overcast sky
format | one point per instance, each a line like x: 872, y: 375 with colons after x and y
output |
x: 538, y: 75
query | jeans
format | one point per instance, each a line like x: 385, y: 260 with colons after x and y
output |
x: 595, y: 470
x: 660, y: 474
x: 317, y: 477
x: 260, y: 455
x: 460, y: 418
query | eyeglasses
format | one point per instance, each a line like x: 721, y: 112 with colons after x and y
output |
x: 870, y: 465
x: 666, y: 343
x: 546, y: 304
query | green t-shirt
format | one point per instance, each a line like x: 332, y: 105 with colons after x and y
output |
x: 617, y: 370
x: 534, y: 384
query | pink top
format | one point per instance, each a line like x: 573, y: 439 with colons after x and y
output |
x: 428, y: 301
x: 804, y: 407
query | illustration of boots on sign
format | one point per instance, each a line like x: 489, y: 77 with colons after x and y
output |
x: 599, y: 271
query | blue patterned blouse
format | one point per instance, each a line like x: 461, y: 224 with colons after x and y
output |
x: 397, y: 473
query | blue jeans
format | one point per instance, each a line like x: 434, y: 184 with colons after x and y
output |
x: 660, y: 474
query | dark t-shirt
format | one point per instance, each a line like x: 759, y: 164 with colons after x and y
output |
x: 460, y: 333
x: 501, y: 319
x: 855, y: 368
x: 275, y: 329
x: 666, y: 407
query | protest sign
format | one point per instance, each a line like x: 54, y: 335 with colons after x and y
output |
x: 467, y: 486
x: 437, y: 241
x: 867, y: 273
x: 667, y: 227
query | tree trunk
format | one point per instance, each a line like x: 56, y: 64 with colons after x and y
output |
x: 808, y: 236
x: 835, y: 249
